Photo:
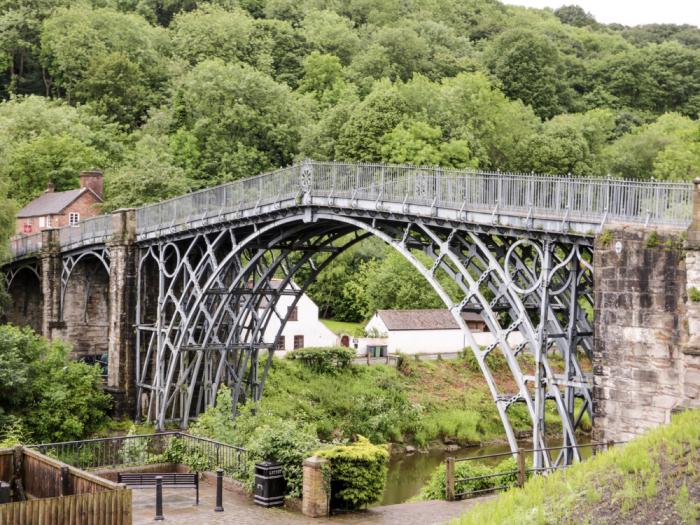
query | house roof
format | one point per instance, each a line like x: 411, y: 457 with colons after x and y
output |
x: 435, y: 319
x: 50, y: 203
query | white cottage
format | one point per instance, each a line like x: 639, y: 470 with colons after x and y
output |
x: 420, y: 332
x: 303, y: 329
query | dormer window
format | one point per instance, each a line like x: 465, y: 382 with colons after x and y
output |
x: 73, y: 218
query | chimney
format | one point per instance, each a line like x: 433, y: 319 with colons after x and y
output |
x: 92, y: 179
x: 50, y: 188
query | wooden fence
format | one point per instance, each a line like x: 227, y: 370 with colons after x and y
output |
x: 53, y: 493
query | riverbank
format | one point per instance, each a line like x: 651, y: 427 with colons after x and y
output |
x: 653, y: 479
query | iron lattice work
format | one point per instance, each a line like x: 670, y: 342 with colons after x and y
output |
x: 218, y: 289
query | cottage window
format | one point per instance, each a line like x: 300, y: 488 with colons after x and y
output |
x: 298, y: 341
x: 279, y: 343
x: 294, y: 314
x: 42, y: 222
x: 73, y: 218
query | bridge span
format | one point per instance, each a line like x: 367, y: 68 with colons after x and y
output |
x: 179, y: 293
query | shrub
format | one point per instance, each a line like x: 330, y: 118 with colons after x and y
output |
x: 324, y: 360
x: 358, y: 473
x: 134, y: 451
x: 694, y: 294
x: 58, y: 399
x: 435, y: 488
x: 286, y: 442
x: 179, y: 453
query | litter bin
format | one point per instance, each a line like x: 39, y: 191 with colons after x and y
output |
x: 269, y: 484
x: 4, y: 492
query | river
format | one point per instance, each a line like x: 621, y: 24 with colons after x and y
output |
x: 408, y: 473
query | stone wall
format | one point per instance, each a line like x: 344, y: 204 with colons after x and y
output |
x: 26, y: 301
x: 644, y: 367
x: 86, y: 309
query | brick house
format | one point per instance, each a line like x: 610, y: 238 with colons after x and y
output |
x: 54, y: 209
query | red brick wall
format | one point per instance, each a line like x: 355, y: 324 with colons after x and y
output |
x: 86, y: 205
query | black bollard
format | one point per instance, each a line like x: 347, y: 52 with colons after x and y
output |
x: 219, y: 490
x: 159, y: 499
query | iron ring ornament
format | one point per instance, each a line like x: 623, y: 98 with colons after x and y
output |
x: 511, y: 259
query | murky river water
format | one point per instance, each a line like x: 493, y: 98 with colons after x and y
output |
x: 409, y: 473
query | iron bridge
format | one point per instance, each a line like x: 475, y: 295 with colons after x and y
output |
x: 518, y: 247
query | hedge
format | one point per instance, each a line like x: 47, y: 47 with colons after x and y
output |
x: 358, y: 473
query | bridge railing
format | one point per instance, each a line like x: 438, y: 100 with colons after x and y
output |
x: 145, y: 449
x: 25, y: 245
x: 563, y: 198
x: 595, y: 200
x: 87, y: 231
x: 648, y: 202
x: 221, y: 200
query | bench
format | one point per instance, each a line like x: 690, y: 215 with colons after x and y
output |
x: 145, y: 480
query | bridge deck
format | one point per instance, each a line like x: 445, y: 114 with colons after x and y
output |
x: 521, y: 202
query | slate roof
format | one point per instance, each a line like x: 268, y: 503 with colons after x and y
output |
x: 435, y: 319
x: 51, y: 203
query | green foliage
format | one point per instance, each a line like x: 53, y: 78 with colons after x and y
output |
x: 358, y: 473
x: 643, y: 472
x: 149, y: 174
x: 694, y: 294
x: 454, y: 424
x: 134, y: 452
x: 238, y: 121
x: 507, y: 471
x: 57, y: 399
x: 652, y: 240
x: 324, y: 360
x: 285, y: 442
x: 605, y: 238
x: 43, y: 140
x: 178, y: 452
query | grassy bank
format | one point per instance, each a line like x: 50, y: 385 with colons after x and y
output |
x: 654, y: 479
x: 416, y: 403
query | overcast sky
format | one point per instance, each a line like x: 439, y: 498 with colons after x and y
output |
x: 630, y: 12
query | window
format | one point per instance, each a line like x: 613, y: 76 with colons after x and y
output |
x: 279, y: 344
x: 42, y: 222
x: 294, y: 314
x: 27, y: 227
x: 73, y: 218
x: 298, y: 341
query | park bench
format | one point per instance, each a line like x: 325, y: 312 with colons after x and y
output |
x: 145, y: 480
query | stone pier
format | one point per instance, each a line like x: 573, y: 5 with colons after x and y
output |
x: 646, y: 359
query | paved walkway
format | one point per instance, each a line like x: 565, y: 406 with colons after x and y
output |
x: 239, y: 509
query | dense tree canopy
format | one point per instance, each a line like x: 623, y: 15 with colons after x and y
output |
x: 185, y: 94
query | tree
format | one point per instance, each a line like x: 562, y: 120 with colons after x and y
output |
x: 574, y: 15
x: 393, y: 283
x: 212, y: 32
x: 43, y: 140
x: 57, y: 399
x: 77, y: 42
x: 529, y: 67
x: 331, y: 33
x: 379, y: 113
x: 667, y: 148
x: 148, y: 175
x: 237, y: 122
x: 416, y: 142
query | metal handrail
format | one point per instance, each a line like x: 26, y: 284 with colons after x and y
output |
x: 140, y: 449
x: 560, y: 198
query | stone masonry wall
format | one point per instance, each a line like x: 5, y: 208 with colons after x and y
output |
x: 644, y: 367
x: 86, y: 309
x: 26, y: 305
